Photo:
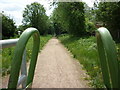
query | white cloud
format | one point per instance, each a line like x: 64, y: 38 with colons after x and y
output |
x: 14, y: 8
x: 89, y: 2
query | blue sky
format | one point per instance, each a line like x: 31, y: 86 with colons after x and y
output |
x: 14, y: 8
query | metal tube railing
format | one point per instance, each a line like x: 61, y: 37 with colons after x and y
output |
x: 19, y: 59
x: 22, y: 79
x: 108, y: 58
x: 8, y: 43
x: 24, y: 69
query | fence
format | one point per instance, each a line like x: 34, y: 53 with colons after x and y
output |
x: 20, y: 58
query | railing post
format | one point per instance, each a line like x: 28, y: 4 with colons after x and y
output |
x: 108, y: 58
x: 24, y: 68
x: 17, y: 59
x: 23, y: 78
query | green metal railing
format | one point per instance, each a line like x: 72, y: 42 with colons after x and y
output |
x: 107, y: 52
x: 108, y: 59
x: 17, y: 58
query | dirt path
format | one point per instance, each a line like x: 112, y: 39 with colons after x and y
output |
x: 57, y: 69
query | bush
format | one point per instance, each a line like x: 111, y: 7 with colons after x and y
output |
x: 8, y: 27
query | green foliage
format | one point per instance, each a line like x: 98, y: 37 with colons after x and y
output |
x: 69, y: 16
x: 85, y: 50
x: 109, y: 13
x: 59, y: 24
x: 8, y: 27
x: 90, y: 26
x: 22, y: 27
x: 34, y: 15
x: 8, y: 53
x: 6, y: 60
x: 89, y: 19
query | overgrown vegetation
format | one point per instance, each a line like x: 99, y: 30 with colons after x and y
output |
x: 85, y: 50
x: 8, y: 53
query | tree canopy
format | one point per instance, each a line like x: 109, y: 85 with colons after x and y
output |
x: 8, y: 27
x: 69, y: 16
x: 109, y: 14
x: 34, y: 15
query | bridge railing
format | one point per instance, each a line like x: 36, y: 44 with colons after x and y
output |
x: 19, y: 58
x: 108, y: 58
x: 10, y: 43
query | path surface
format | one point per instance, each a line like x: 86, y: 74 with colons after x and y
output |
x: 57, y: 69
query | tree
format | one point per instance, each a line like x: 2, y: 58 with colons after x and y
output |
x: 58, y: 21
x: 21, y: 28
x: 8, y: 27
x: 109, y: 14
x: 34, y: 15
x: 69, y: 16
x: 89, y: 19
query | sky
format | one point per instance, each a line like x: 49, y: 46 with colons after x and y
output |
x: 14, y: 8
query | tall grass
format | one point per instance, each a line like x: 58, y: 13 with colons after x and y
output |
x: 85, y: 50
x: 8, y: 53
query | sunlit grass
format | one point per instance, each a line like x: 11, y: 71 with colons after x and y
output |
x: 85, y: 50
x: 8, y: 53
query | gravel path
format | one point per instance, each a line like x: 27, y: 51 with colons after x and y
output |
x: 57, y: 69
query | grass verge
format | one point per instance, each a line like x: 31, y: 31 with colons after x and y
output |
x: 85, y: 50
x: 8, y: 53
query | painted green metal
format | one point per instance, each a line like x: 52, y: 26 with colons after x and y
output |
x: 17, y: 59
x: 108, y: 58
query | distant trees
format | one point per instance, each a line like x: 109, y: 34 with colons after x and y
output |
x: 89, y: 20
x: 109, y: 14
x: 69, y: 16
x: 34, y: 15
x: 8, y: 27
